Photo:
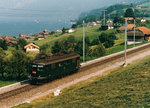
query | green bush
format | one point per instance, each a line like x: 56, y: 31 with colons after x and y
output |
x: 17, y: 66
x: 107, y: 39
x: 98, y: 51
x: 104, y: 27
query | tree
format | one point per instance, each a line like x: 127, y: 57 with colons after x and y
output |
x: 63, y: 30
x: 2, y: 62
x: 79, y: 48
x: 52, y: 32
x: 56, y: 48
x: 107, y: 39
x: 98, y: 51
x: 87, y: 41
x: 103, y: 37
x: 19, y: 65
x: 118, y: 21
x: 109, y: 43
x: 129, y: 13
x: 45, y: 47
x: 3, y: 44
x: 71, y: 39
x: 66, y: 46
x: 74, y: 26
x: 95, y: 42
x: 21, y: 43
x: 104, y: 27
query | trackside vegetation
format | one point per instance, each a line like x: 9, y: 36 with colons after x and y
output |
x: 124, y: 87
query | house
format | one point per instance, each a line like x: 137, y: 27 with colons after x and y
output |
x: 9, y: 40
x: 46, y: 32
x: 109, y: 21
x: 141, y: 34
x: 36, y: 34
x: 71, y: 30
x: 129, y: 18
x: 21, y: 35
x: 98, y: 22
x: 94, y: 23
x: 130, y: 27
x: 143, y: 20
x: 59, y: 30
x: 28, y: 37
x: 41, y: 37
x: 110, y: 26
x: 32, y: 48
x: 139, y: 6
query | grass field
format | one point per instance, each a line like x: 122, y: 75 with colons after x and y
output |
x: 5, y: 83
x: 122, y: 88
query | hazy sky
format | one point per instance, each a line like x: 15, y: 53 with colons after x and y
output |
x: 12, y: 10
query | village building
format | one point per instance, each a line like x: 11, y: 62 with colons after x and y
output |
x: 141, y: 34
x: 41, y: 37
x: 28, y: 37
x: 109, y: 21
x: 36, y: 34
x: 98, y: 22
x: 22, y: 36
x: 46, y: 32
x: 32, y: 48
x: 59, y: 30
x: 143, y: 20
x: 110, y: 27
x: 71, y: 30
x: 129, y: 18
x: 130, y: 27
x: 94, y: 23
x: 10, y: 40
x: 139, y: 6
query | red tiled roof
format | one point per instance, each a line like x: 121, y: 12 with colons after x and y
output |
x: 145, y: 30
x: 129, y: 27
x: 31, y: 44
x: 129, y: 18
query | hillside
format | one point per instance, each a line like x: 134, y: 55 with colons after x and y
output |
x: 116, y: 11
x: 122, y: 87
x: 91, y: 31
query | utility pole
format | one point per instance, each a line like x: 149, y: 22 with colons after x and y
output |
x: 134, y: 32
x: 83, y: 41
x: 104, y: 16
x: 126, y: 24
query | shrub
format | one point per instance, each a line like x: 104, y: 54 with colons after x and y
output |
x: 95, y: 42
x: 107, y: 39
x: 98, y: 51
x: 104, y: 27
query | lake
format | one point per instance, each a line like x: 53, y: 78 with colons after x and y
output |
x: 30, y: 27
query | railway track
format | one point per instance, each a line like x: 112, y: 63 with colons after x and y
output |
x: 84, y: 68
x: 16, y: 91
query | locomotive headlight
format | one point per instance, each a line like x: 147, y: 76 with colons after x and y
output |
x: 33, y: 72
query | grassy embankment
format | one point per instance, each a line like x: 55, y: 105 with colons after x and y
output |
x: 122, y: 87
x: 5, y: 83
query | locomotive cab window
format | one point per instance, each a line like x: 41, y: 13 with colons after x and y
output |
x: 53, y: 66
x: 73, y: 60
x: 40, y: 68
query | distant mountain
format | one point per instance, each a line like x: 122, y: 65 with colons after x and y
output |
x: 113, y: 11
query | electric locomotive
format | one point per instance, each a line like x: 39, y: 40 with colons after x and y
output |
x: 51, y: 68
